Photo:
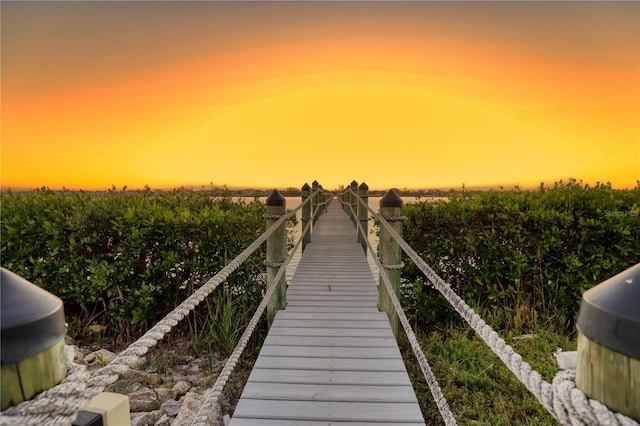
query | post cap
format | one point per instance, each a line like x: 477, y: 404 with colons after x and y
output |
x: 391, y: 199
x: 609, y: 313
x: 354, y: 183
x: 306, y: 187
x: 314, y: 184
x: 275, y: 199
x: 363, y: 187
x: 32, y: 319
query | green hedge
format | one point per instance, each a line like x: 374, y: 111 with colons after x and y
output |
x: 527, y: 253
x: 125, y: 258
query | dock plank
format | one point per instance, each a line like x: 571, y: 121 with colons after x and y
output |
x: 336, y: 352
x: 333, y: 392
x: 372, y: 412
x: 280, y: 422
x: 353, y: 341
x: 272, y: 375
x: 331, y: 332
x: 333, y: 364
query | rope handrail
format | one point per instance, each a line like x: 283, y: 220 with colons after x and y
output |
x: 209, y: 412
x: 432, y: 381
x: 60, y: 404
x: 562, y: 399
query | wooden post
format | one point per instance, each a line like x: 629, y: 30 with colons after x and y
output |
x: 33, y: 329
x: 354, y: 202
x: 107, y: 409
x: 608, y: 368
x: 346, y: 200
x: 323, y: 199
x: 276, y: 254
x: 306, y: 215
x: 390, y: 255
x: 363, y: 215
x: 314, y: 201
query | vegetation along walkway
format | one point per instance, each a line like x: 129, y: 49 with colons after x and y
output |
x: 331, y: 356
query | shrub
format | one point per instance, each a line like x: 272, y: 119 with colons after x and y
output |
x: 126, y: 258
x: 502, y: 250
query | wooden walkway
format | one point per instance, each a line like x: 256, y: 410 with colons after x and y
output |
x: 330, y: 358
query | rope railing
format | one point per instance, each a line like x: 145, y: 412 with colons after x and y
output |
x: 432, y: 381
x: 209, y: 412
x: 562, y: 399
x: 60, y: 404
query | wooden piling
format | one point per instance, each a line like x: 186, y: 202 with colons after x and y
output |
x: 390, y: 255
x: 363, y: 215
x: 314, y: 201
x: 323, y: 199
x: 33, y: 329
x: 276, y: 253
x: 353, y: 201
x: 306, y: 215
x: 608, y: 368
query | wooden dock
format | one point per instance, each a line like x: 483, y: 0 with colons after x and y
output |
x: 330, y: 358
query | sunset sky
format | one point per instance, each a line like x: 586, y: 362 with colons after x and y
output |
x: 276, y: 94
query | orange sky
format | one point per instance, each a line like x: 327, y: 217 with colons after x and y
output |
x: 275, y: 94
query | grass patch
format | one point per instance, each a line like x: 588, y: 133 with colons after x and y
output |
x: 479, y: 388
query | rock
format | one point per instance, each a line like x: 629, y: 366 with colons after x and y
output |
x: 171, y: 407
x: 144, y: 377
x: 144, y: 399
x: 78, y: 355
x: 165, y: 394
x: 193, y: 368
x: 101, y: 357
x: 164, y: 421
x: 146, y: 419
x: 122, y: 386
x: 181, y: 387
x: 196, y: 380
x: 135, y: 417
x: 190, y: 406
x: 567, y: 360
x: 178, y: 376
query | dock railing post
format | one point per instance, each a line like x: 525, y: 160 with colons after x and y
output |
x: 314, y: 201
x: 306, y: 215
x: 33, y: 330
x: 345, y: 201
x: 390, y: 255
x: 276, y: 253
x: 323, y: 198
x: 363, y: 215
x: 353, y: 201
x: 608, y: 366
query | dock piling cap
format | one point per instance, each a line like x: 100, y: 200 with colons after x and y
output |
x: 391, y: 199
x: 275, y: 199
x: 32, y: 319
x: 610, y: 313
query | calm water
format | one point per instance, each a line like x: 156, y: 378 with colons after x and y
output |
x: 374, y: 203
